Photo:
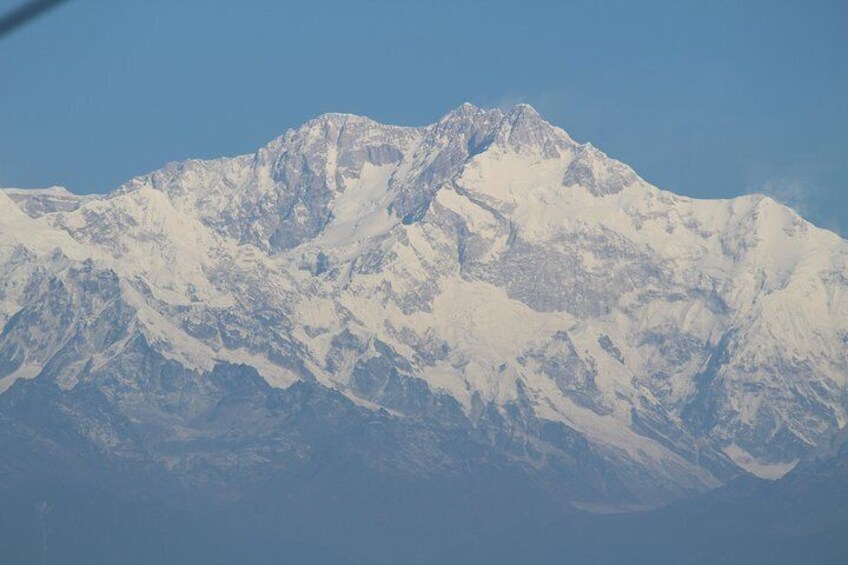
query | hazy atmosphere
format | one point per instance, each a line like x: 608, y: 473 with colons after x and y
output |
x: 423, y: 283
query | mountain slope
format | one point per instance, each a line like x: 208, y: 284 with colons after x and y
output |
x: 484, y: 277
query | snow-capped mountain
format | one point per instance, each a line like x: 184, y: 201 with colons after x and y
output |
x: 487, y: 289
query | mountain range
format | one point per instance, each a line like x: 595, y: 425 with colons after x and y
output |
x: 362, y: 319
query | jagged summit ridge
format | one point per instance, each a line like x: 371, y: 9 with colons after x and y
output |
x: 485, y: 271
x: 283, y: 195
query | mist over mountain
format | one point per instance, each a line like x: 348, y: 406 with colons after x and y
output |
x: 368, y: 343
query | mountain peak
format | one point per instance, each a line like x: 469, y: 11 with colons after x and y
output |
x: 467, y: 117
x: 465, y: 110
x: 523, y: 110
x: 524, y: 128
x: 336, y: 119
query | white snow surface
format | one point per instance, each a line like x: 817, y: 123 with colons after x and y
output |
x: 493, y: 254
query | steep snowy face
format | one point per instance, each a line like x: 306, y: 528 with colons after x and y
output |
x: 486, y: 269
x: 285, y: 193
x: 713, y: 313
x: 339, y: 168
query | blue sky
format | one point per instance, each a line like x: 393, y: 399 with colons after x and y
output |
x: 709, y: 99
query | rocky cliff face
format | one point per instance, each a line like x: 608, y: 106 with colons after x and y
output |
x: 480, y: 293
